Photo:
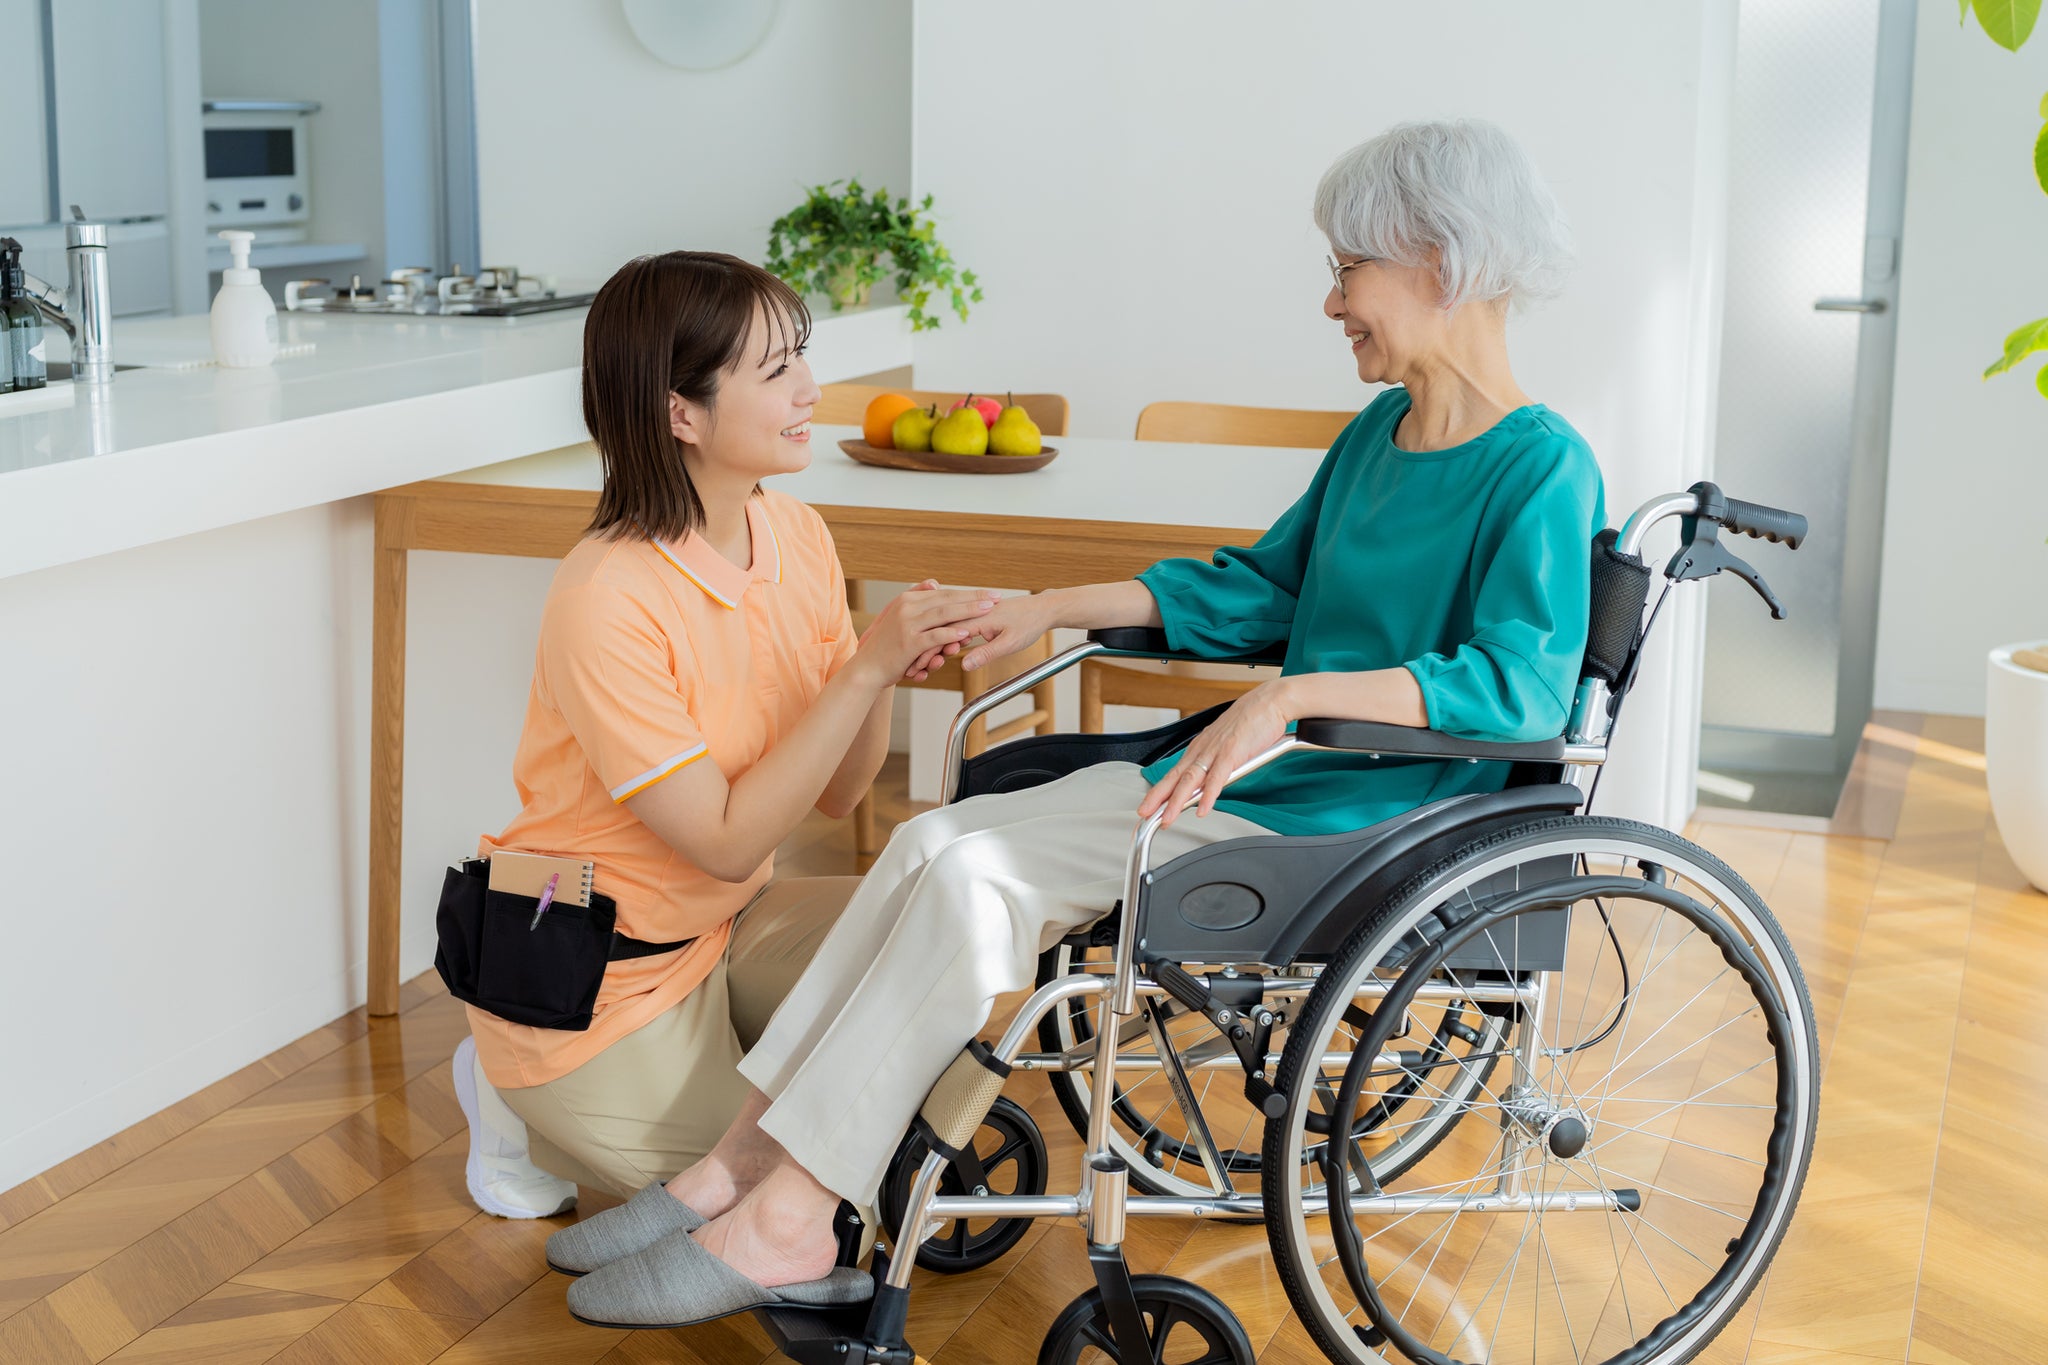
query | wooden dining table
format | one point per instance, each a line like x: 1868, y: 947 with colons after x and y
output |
x: 1103, y: 509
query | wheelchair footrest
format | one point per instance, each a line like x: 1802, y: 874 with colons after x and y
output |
x: 864, y: 1334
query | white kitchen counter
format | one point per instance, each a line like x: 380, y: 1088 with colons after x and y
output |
x: 162, y: 453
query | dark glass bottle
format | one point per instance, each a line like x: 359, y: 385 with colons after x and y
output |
x: 6, y: 350
x: 24, y: 322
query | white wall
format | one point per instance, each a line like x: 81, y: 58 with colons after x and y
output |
x: 1965, y: 567
x: 1145, y: 232
x: 590, y: 151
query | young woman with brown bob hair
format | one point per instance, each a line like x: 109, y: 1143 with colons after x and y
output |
x: 702, y: 617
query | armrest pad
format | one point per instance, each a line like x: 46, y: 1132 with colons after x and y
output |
x: 1151, y: 642
x: 1408, y: 742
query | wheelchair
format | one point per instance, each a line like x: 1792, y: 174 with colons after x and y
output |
x: 1504, y: 1080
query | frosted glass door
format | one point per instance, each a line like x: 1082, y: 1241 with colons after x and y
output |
x: 1804, y: 389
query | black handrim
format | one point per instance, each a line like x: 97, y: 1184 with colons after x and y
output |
x: 1430, y: 957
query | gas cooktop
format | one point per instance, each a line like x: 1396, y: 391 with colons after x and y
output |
x: 498, y: 291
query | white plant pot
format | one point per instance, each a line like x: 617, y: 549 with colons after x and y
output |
x: 2016, y: 759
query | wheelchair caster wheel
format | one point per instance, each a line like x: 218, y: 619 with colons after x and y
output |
x: 1010, y: 1159
x: 1184, y: 1323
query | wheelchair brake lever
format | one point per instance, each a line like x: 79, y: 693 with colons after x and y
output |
x: 1755, y: 580
x: 1702, y: 555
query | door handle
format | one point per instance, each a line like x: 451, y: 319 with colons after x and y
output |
x: 1849, y: 305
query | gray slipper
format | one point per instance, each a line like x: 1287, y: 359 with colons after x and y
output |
x: 638, y: 1223
x: 677, y: 1283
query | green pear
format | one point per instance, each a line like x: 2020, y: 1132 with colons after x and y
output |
x: 1015, y: 433
x: 913, y: 430
x: 961, y: 433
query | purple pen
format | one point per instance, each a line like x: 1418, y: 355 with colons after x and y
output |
x: 547, y: 898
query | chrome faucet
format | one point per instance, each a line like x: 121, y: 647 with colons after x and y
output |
x: 84, y: 309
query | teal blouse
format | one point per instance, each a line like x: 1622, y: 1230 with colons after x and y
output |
x: 1470, y: 567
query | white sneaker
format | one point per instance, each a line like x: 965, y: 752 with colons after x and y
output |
x: 502, y: 1179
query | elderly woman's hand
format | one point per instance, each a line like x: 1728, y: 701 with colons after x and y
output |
x: 1254, y: 722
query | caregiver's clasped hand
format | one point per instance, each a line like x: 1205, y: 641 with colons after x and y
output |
x: 919, y: 629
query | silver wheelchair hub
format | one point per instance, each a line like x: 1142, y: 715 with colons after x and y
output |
x: 1564, y: 1129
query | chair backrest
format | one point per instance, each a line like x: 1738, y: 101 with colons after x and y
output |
x: 1227, y: 425
x: 846, y: 404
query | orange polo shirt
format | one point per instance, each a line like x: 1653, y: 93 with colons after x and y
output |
x: 652, y: 657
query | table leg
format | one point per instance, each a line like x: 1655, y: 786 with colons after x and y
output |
x: 387, y: 753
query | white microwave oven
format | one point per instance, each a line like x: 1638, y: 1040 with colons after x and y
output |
x: 256, y: 171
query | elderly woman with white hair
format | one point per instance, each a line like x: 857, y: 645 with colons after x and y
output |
x: 1434, y: 573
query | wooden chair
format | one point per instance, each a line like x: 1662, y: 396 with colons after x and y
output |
x: 1186, y: 687
x: 846, y: 405
x: 1224, y: 425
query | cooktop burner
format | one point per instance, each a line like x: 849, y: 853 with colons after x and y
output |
x: 498, y: 291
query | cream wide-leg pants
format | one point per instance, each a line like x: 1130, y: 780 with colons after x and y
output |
x: 658, y: 1099
x: 955, y: 913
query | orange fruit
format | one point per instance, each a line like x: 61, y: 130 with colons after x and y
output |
x: 881, y: 416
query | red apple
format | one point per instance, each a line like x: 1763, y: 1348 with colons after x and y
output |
x: 988, y: 408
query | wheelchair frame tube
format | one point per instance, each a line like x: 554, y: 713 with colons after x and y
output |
x: 1174, y: 1206
x: 956, y: 733
x: 1124, y: 998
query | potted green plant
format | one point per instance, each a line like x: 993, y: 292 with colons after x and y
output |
x: 835, y: 243
x: 2016, y: 690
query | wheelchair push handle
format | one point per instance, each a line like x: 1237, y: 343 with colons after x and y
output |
x: 1750, y: 518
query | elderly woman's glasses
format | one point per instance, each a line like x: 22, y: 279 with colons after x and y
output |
x: 1337, y: 268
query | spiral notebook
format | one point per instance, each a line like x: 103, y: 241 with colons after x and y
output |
x: 526, y: 874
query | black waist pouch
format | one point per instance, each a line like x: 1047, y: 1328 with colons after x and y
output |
x: 493, y: 956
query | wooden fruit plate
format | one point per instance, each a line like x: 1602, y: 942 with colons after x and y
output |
x: 932, y: 462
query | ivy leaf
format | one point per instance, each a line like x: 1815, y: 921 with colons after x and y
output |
x: 2041, y: 156
x: 2007, y: 22
x: 2041, y: 381
x: 2023, y: 342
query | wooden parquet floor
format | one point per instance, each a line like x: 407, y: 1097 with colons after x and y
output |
x: 310, y: 1208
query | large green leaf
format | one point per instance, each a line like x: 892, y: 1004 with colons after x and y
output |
x: 2023, y: 342
x: 2041, y: 381
x: 2041, y: 159
x: 2007, y: 22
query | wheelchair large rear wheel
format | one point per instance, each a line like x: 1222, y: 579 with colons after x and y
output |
x: 1619, y: 1187
x: 1154, y: 1137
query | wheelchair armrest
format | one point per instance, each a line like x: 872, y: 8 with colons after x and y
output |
x: 1406, y: 741
x: 1148, y: 642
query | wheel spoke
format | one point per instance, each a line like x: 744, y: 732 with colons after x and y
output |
x: 1675, y: 1104
x: 1556, y: 1285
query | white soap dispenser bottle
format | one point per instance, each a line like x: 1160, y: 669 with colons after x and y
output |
x: 244, y: 318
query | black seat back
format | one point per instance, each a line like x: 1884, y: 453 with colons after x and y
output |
x: 1614, y: 638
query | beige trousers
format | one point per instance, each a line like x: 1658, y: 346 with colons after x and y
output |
x: 955, y: 913
x: 659, y: 1098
